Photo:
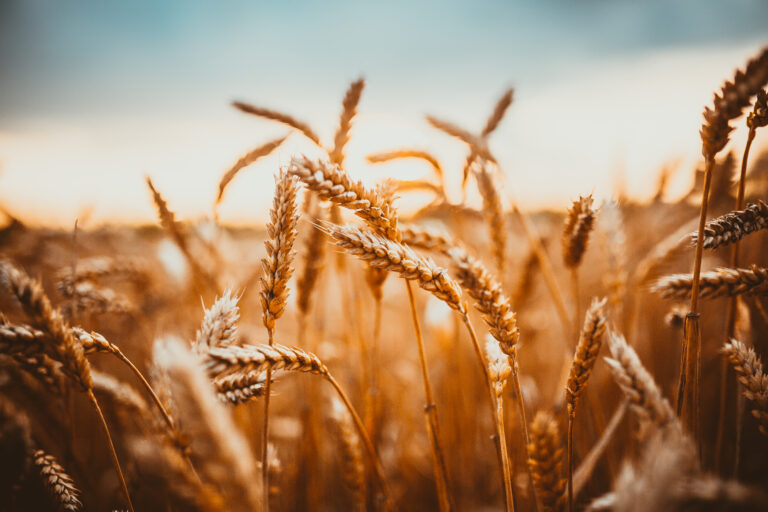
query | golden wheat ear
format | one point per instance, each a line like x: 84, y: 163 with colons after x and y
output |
x: 62, y: 345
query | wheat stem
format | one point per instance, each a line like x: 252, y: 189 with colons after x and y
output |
x: 265, y: 428
x: 730, y: 319
x: 546, y: 267
x: 378, y: 471
x: 112, y: 452
x: 430, y: 411
x: 571, y: 418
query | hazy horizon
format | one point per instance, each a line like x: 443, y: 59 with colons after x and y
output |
x: 98, y: 95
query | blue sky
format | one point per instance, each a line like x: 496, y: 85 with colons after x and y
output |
x: 95, y: 94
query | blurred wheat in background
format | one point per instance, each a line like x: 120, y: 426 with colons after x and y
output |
x: 353, y: 356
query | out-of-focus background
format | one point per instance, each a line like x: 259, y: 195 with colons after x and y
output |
x: 96, y: 94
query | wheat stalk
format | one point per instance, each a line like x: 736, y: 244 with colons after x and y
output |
x: 352, y: 462
x: 499, y: 370
x: 314, y: 255
x: 729, y: 104
x: 174, y: 229
x: 756, y: 119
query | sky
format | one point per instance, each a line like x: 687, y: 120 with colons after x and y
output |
x: 97, y: 94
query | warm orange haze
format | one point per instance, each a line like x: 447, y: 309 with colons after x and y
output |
x: 538, y: 297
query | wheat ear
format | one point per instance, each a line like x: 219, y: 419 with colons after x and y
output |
x: 638, y: 385
x: 545, y: 460
x: 501, y: 321
x: 352, y: 463
x: 579, y: 224
x: 720, y: 282
x: 280, y: 117
x: 218, y: 449
x: 278, y: 268
x: 334, y: 184
x: 590, y: 341
x: 179, y: 237
x: 494, y: 213
x: 756, y: 119
x: 340, y: 139
x: 58, y: 483
x: 63, y: 346
x: 244, y: 161
x: 733, y: 226
x: 750, y: 373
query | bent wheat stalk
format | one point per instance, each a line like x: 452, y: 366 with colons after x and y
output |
x: 62, y: 347
x: 233, y: 360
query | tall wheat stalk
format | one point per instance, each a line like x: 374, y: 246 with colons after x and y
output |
x: 756, y: 119
x: 728, y: 105
x: 278, y: 269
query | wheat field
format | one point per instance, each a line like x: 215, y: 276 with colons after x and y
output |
x: 604, y: 356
